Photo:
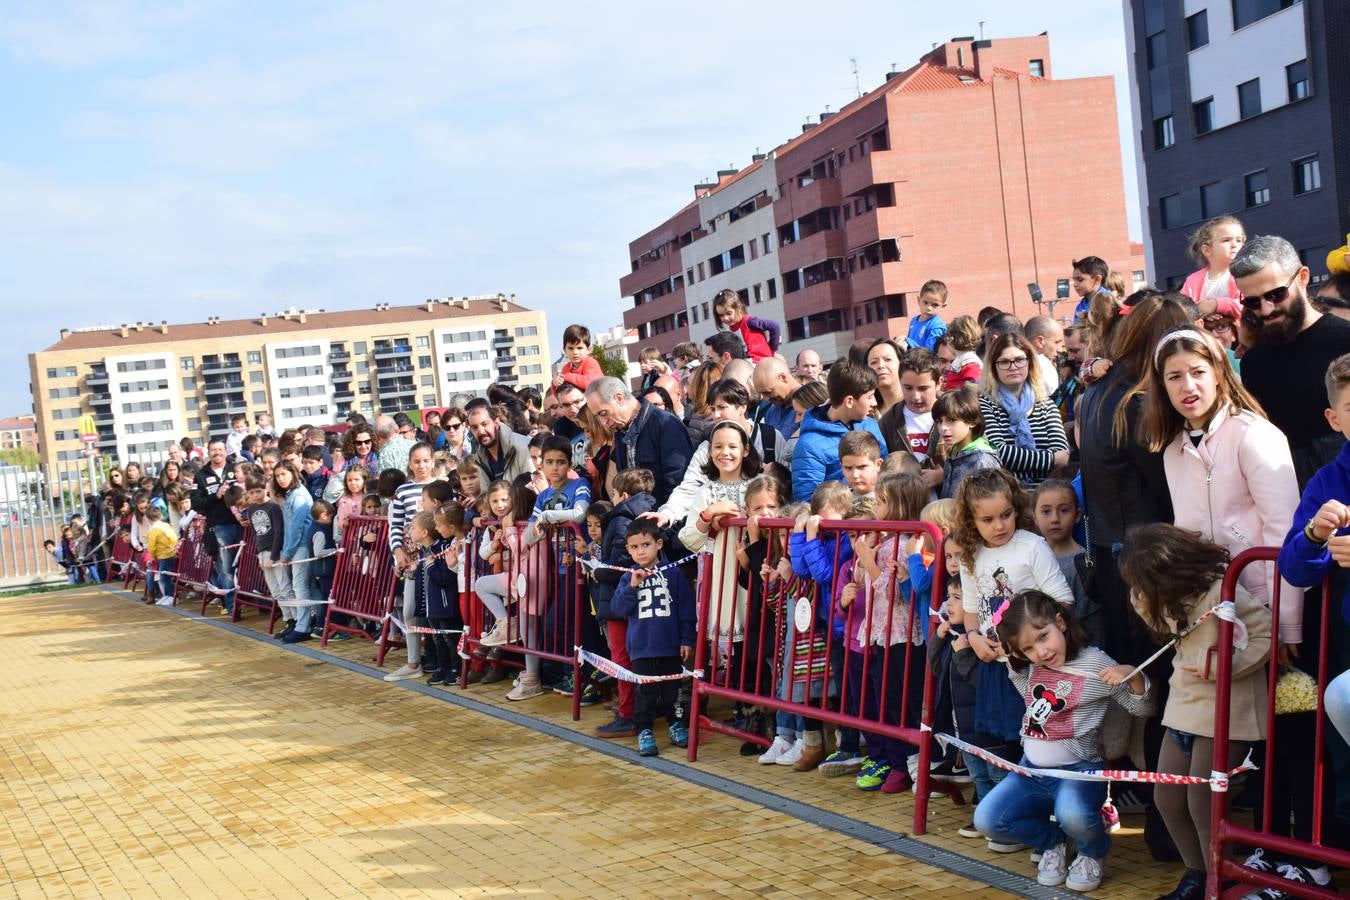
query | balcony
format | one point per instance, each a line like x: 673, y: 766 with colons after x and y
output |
x: 802, y: 200
x: 225, y: 406
x: 875, y: 225
x: 392, y: 351
x: 818, y: 247
x: 393, y: 371
x: 508, y: 379
x: 223, y: 387
x: 666, y: 305
x: 501, y: 340
x: 338, y: 356
x: 103, y: 418
x: 343, y: 393
x: 96, y: 379
x: 823, y: 295
x: 100, y: 398
x: 877, y: 167
x: 341, y: 375
x: 879, y: 281
x: 107, y: 442
x: 221, y: 367
x: 398, y: 390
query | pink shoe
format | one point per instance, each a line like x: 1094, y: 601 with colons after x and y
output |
x: 897, y: 782
x: 1110, y: 819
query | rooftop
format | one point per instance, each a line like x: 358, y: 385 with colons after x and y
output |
x: 272, y: 325
x: 17, y: 423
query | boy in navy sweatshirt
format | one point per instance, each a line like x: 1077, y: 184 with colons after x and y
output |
x: 659, y: 607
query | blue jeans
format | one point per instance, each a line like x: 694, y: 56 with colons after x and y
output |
x: 302, y: 584
x: 223, y: 575
x: 166, y: 568
x: 1018, y: 810
x: 984, y: 775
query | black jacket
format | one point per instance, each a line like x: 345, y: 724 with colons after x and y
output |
x: 204, y: 499
x: 614, y: 548
x: 655, y: 440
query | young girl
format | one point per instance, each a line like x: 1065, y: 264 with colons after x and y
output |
x: 288, y: 489
x: 354, y: 482
x: 1229, y: 470
x: 1000, y: 556
x: 1214, y: 245
x: 963, y: 337
x: 1174, y: 576
x: 140, y: 530
x: 752, y: 659
x: 760, y: 335
x: 402, y: 508
x: 372, y: 505
x: 1066, y: 687
x: 1057, y: 514
x: 888, y: 625
x: 497, y: 546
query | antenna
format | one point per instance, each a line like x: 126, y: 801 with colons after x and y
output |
x: 857, y: 85
x: 981, y: 29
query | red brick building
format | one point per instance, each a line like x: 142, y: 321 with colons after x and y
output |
x: 974, y: 166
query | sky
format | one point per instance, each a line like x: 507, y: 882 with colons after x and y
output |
x: 185, y: 158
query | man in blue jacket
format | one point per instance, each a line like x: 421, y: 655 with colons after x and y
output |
x: 853, y: 396
x: 644, y: 437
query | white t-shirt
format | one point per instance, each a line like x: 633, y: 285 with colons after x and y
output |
x: 1049, y: 374
x: 1024, y: 563
x: 918, y: 426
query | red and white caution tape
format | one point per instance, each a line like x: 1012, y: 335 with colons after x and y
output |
x: 420, y: 629
x: 1226, y: 610
x: 613, y: 669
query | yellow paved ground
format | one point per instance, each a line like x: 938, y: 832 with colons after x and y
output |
x: 144, y: 754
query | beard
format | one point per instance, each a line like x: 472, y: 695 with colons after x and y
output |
x: 1287, y: 326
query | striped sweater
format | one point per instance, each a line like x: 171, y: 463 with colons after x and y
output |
x: 1030, y: 466
x: 402, y: 509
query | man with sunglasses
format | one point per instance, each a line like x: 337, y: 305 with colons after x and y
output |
x: 1295, y: 343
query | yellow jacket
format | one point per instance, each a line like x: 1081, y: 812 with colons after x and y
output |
x: 161, y: 542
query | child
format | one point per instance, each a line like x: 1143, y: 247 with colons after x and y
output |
x: 499, y: 547
x: 1056, y: 510
x: 751, y: 660
x: 960, y: 427
x: 140, y: 528
x: 265, y: 428
x: 295, y: 501
x: 911, y: 422
x: 686, y: 358
x: 442, y: 591
x: 470, y: 489
x: 926, y: 327
x: 1000, y: 556
x: 760, y: 335
x: 580, y: 368
x: 815, y: 459
x: 316, y: 474
x: 234, y: 441
x: 652, y: 366
x: 659, y: 608
x: 403, y: 505
x: 1066, y: 686
x: 354, y: 485
x: 953, y: 664
x: 1174, y: 576
x: 1214, y: 245
x: 860, y: 460
x: 311, y: 572
x: 435, y: 495
x: 372, y: 505
x: 264, y: 516
x: 963, y: 337
x: 1089, y: 279
x: 891, y: 622
x: 161, y: 545
x: 632, y: 498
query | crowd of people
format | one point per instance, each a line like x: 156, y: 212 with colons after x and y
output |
x: 1091, y: 483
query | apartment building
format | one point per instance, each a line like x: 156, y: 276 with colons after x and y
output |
x: 975, y: 166
x: 1238, y: 112
x: 18, y: 433
x: 147, y: 385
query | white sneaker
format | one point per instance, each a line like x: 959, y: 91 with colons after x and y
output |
x: 997, y: 846
x: 1085, y: 874
x: 405, y: 672
x: 1052, y: 868
x: 792, y: 754
x: 497, y: 636
x: 779, y: 746
x: 164, y: 601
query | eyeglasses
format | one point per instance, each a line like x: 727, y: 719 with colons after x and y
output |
x: 1273, y: 297
x: 366, y: 443
x: 574, y: 404
x: 1010, y: 364
x: 453, y: 426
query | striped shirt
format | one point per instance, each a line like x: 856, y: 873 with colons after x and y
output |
x: 402, y: 508
x: 1047, y: 428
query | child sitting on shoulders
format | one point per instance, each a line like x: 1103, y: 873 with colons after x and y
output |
x: 760, y: 335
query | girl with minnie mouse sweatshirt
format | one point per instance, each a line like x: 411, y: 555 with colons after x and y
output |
x: 1068, y: 686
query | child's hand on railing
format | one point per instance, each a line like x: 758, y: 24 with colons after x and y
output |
x: 914, y: 545
x: 752, y: 530
x: 812, y: 527
x: 847, y: 595
x: 800, y: 524
x: 767, y: 573
x: 785, y: 569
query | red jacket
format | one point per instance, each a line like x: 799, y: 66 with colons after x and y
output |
x: 583, y: 373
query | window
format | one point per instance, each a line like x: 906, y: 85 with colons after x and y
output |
x: 1197, y: 30
x: 255, y: 378
x: 69, y: 371
x: 689, y: 276
x: 695, y: 314
x: 428, y: 399
x: 428, y: 380
x: 1037, y: 68
x: 527, y: 331
x: 1203, y: 113
x: 1257, y: 188
x: 190, y: 385
x: 1307, y: 175
x: 1169, y: 211
x: 359, y: 348
x: 363, y: 368
x: 187, y: 364
x: 1155, y: 49
x: 1249, y: 98
x: 367, y: 407
x: 1296, y: 77
x: 758, y: 291
x: 424, y: 361
x: 254, y: 357
x: 767, y: 242
x: 422, y: 343
x: 51, y: 373
x: 1245, y: 12
x: 527, y: 351
x: 190, y: 404
x: 1211, y: 199
x: 1164, y: 134
x: 59, y: 393
x: 772, y: 287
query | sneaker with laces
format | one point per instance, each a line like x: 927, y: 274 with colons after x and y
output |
x: 841, y: 762
x: 1110, y: 819
x: 590, y: 696
x: 497, y: 636
x: 564, y: 685
x: 997, y: 846
x: 678, y: 734
x: 872, y: 779
x: 404, y: 672
x: 951, y: 770
x: 1085, y: 874
x: 164, y: 601
x: 779, y: 746
x: 646, y: 743
x: 792, y: 754
x: 1053, y: 867
x: 617, y: 728
x: 969, y: 831
x: 1288, y: 871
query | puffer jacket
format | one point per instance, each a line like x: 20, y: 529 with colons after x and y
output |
x: 815, y: 458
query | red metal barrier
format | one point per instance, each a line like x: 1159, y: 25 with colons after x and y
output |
x: 547, y: 598
x: 193, y: 572
x: 250, y: 585
x: 120, y: 557
x: 772, y: 645
x: 364, y: 583
x: 1225, y: 834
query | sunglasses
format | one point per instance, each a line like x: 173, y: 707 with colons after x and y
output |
x: 453, y: 426
x: 365, y: 443
x: 1273, y: 297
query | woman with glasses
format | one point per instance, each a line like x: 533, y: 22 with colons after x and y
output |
x: 358, y: 448
x: 452, y: 434
x: 1019, y: 420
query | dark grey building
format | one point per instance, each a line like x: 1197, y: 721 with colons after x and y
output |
x: 1238, y: 111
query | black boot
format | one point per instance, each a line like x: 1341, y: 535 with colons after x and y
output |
x: 1191, y: 887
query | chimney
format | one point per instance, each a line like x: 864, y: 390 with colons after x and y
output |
x: 140, y: 326
x: 501, y: 303
x: 892, y: 73
x: 726, y: 173
x: 262, y: 317
x: 301, y: 316
x: 759, y: 157
x: 125, y: 331
x: 464, y: 302
x: 703, y: 187
x: 163, y: 326
x: 65, y: 333
x: 430, y: 304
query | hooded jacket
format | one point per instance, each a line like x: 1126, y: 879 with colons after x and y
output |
x: 816, y: 456
x: 978, y: 454
x: 614, y: 546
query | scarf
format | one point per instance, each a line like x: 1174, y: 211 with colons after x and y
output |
x: 631, y: 432
x: 1017, y: 409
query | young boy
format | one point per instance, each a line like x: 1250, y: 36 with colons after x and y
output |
x: 686, y: 359
x: 1089, y: 277
x: 860, y: 459
x: 927, y: 327
x: 961, y: 429
x: 652, y: 366
x: 249, y: 447
x: 161, y: 544
x: 234, y: 441
x: 1055, y: 507
x: 632, y: 498
x: 580, y: 368
x: 308, y: 579
x: 659, y: 609
x: 269, y: 536
x: 761, y: 336
x: 564, y: 500
x: 316, y: 474
x: 265, y: 428
x: 852, y: 390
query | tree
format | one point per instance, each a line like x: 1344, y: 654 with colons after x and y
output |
x: 20, y: 456
x: 612, y: 364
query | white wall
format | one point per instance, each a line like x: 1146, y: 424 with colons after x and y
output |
x: 276, y: 382
x: 464, y: 375
x: 1260, y: 50
x: 123, y: 420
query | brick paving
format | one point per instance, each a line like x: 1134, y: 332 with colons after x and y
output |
x: 145, y: 754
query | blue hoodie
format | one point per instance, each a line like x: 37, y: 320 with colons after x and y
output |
x: 614, y: 544
x: 1303, y: 563
x: 815, y: 560
x: 660, y: 613
x: 816, y: 458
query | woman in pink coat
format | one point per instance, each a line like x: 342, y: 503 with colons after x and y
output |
x: 1229, y: 470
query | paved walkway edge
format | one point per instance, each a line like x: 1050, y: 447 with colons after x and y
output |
x: 893, y: 841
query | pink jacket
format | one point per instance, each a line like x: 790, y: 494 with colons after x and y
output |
x: 1230, y: 305
x: 1238, y: 490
